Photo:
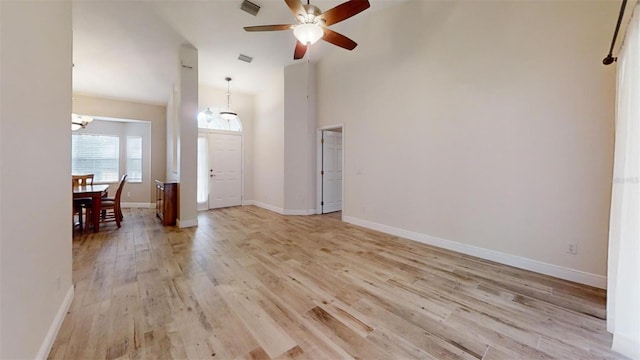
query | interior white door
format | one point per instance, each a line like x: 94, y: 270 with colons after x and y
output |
x: 331, y: 171
x: 225, y: 170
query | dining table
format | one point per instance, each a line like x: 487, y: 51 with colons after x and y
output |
x: 95, y: 192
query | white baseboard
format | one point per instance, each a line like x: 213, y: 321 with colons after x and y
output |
x: 506, y: 259
x: 267, y: 206
x: 626, y: 346
x: 45, y: 348
x: 138, y: 205
x: 281, y: 211
x: 299, y: 212
x: 186, y: 223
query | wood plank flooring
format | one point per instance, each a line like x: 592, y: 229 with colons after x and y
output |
x: 251, y: 284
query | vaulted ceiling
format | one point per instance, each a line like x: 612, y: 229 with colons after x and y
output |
x: 129, y: 49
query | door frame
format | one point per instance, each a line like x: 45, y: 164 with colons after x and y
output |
x: 319, y: 165
x: 226, y: 132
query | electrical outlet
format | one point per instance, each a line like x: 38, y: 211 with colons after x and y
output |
x: 572, y: 248
x: 58, y: 282
x: 128, y: 193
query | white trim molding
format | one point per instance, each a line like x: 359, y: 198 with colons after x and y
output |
x: 281, y: 211
x: 186, y: 223
x: 47, y: 344
x: 265, y: 206
x: 502, y: 258
x: 626, y: 345
x: 299, y: 212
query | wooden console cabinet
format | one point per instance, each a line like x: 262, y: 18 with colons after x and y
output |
x: 167, y: 202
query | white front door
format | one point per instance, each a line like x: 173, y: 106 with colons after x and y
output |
x: 225, y: 170
x: 331, y: 171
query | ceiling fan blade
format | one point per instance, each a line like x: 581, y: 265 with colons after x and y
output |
x: 301, y: 49
x: 338, y: 39
x: 268, y: 27
x: 296, y: 7
x: 344, y: 11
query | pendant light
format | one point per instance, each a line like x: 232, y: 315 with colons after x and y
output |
x: 228, y: 114
x: 206, y: 115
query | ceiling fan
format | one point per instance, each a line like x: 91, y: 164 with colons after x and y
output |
x: 312, y: 24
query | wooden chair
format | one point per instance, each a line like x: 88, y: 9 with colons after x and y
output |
x: 110, y: 207
x: 82, y: 180
x: 81, y: 203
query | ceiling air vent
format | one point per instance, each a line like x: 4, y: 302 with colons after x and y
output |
x: 245, y: 58
x: 250, y: 7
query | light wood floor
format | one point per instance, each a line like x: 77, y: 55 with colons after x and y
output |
x: 250, y: 284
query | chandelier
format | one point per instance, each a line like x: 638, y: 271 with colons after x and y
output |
x: 79, y: 121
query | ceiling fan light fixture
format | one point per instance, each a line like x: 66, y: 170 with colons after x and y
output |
x: 308, y: 34
x: 313, y: 24
x: 79, y: 121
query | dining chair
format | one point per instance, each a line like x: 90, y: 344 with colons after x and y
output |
x: 110, y: 206
x: 81, y: 203
x: 82, y: 180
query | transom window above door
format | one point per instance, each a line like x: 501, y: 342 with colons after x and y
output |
x: 212, y: 120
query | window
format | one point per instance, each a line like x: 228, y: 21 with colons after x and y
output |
x: 134, y: 158
x: 96, y: 154
x: 202, y: 193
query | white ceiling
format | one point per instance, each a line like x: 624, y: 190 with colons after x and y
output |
x: 129, y: 49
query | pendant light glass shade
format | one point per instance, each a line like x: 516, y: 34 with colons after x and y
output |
x: 79, y: 122
x: 308, y: 34
x: 206, y: 115
x: 228, y: 114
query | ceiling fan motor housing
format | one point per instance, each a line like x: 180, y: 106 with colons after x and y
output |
x: 312, y: 12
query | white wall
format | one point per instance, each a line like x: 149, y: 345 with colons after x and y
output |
x: 284, y: 141
x: 188, y: 137
x: 182, y: 135
x: 173, y: 104
x: 268, y: 151
x: 35, y: 164
x: 244, y: 106
x: 299, y: 138
x: 488, y: 124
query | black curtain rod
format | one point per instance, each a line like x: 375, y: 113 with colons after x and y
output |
x: 610, y: 59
